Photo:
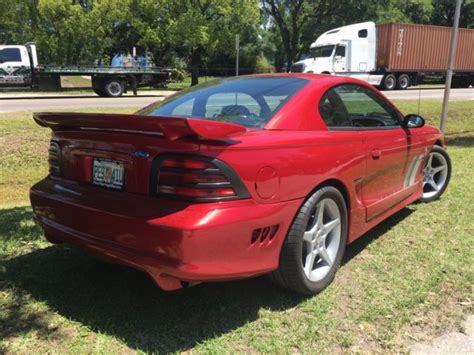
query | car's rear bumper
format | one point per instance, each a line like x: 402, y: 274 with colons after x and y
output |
x: 171, y: 241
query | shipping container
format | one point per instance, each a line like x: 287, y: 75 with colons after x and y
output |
x: 422, y: 48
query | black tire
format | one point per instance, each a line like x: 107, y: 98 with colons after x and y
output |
x: 434, y: 195
x: 403, y: 82
x: 97, y: 86
x: 98, y: 92
x: 461, y: 82
x: 113, y: 88
x: 389, y: 82
x: 290, y: 273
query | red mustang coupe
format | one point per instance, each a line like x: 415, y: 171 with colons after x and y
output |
x: 237, y: 178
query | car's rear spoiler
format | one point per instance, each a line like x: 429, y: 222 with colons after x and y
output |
x: 171, y: 128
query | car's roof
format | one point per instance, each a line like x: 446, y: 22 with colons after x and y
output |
x: 307, y: 76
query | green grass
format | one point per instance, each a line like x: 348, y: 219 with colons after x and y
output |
x: 75, y: 81
x: 23, y: 153
x: 409, y: 277
x: 187, y: 82
x: 460, y: 113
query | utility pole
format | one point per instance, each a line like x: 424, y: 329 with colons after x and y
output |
x: 237, y: 50
x: 452, y: 58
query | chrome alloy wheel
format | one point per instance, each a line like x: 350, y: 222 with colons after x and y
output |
x: 435, y: 174
x: 321, y: 240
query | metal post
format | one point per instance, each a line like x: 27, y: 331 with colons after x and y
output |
x: 452, y: 57
x: 237, y: 49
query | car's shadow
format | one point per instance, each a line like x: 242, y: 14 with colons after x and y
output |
x: 124, y: 303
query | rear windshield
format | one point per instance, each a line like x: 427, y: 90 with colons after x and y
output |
x: 250, y: 102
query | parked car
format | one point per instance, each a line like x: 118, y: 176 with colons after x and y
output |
x: 262, y: 174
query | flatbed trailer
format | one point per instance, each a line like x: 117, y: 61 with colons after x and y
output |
x: 19, y: 68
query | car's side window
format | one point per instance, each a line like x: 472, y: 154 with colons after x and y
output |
x: 365, y: 108
x: 355, y: 106
x: 333, y: 112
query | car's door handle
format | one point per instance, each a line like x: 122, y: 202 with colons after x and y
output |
x: 375, y: 154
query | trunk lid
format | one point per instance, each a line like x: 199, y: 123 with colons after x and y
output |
x: 81, y: 141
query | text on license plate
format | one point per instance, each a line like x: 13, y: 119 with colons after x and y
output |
x: 108, y: 173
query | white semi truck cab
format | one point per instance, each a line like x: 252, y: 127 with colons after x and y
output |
x: 348, y: 50
x: 391, y: 56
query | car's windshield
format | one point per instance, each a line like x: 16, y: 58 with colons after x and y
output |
x: 250, y: 101
x: 321, y: 51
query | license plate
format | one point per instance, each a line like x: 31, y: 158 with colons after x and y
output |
x: 108, y: 173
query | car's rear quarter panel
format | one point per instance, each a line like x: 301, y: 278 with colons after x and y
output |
x: 302, y: 162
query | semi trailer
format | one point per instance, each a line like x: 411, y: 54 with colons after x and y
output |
x: 390, y: 56
x: 19, y: 68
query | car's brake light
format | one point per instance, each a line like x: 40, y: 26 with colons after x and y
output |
x: 54, y: 158
x: 195, y: 178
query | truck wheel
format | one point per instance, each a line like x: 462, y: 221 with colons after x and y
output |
x: 113, y: 88
x: 460, y: 82
x: 403, y: 82
x: 456, y: 82
x: 389, y: 82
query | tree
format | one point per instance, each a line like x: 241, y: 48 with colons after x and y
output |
x: 289, y: 18
x: 300, y: 21
x: 7, y: 21
x: 191, y: 29
x: 443, y: 13
x: 75, y: 31
x: 205, y: 26
x: 66, y: 32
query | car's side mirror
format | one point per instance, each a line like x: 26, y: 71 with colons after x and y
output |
x: 413, y: 121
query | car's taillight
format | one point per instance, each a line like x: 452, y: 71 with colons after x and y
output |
x: 195, y: 178
x: 54, y: 158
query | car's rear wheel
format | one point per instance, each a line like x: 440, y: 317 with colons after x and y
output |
x: 436, y: 174
x: 314, y: 246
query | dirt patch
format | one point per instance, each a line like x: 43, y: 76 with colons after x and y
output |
x: 443, y: 327
x: 449, y: 343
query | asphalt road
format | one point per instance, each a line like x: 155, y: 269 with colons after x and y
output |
x: 430, y: 94
x: 19, y: 102
x: 72, y: 102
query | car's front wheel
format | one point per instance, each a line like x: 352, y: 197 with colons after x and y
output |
x: 436, y: 174
x: 314, y: 246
